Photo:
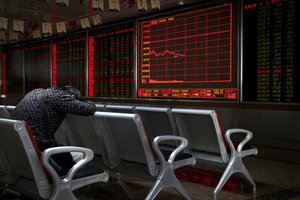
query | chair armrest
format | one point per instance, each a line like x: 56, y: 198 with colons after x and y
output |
x: 183, y: 144
x: 248, y: 152
x: 239, y: 149
x: 87, y: 156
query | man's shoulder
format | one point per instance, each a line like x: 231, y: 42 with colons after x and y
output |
x: 33, y: 92
x: 36, y: 90
x: 52, y: 91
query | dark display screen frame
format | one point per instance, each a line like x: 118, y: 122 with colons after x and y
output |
x: 252, y: 88
x: 210, y: 90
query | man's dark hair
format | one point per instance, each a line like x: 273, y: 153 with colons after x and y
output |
x: 72, y: 91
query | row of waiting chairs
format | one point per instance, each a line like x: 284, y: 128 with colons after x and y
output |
x: 116, y: 128
x: 121, y: 141
x: 26, y: 170
x: 22, y: 167
x: 117, y: 132
x: 203, y: 130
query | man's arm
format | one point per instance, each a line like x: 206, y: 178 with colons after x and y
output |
x: 69, y: 104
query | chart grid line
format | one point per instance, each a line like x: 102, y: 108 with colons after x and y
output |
x: 173, y: 49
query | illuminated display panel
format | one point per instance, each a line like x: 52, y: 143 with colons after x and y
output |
x: 111, y: 60
x: 37, y: 66
x: 189, y: 55
x: 12, y: 71
x: 69, y: 61
x: 271, y: 62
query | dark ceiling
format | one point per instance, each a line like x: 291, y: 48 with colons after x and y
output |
x: 36, y: 12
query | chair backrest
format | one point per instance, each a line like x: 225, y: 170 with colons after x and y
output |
x: 10, y: 108
x: 5, y: 110
x: 157, y: 121
x: 127, y: 138
x: 85, y: 134
x: 203, y: 131
x: 100, y: 107
x: 119, y: 108
x: 63, y: 135
x: 25, y: 165
x: 4, y: 113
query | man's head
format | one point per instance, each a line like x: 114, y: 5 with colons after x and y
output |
x: 72, y: 91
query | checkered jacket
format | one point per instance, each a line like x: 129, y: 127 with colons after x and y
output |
x: 58, y: 104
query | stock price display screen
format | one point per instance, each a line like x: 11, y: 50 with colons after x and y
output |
x: 271, y: 63
x: 189, y: 55
x: 69, y: 62
x: 111, y: 72
x: 37, y: 66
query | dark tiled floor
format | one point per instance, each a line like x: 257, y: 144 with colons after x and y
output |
x: 275, y: 172
x: 277, y: 177
x: 276, y: 180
